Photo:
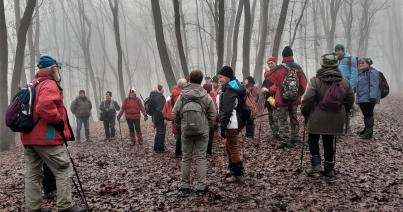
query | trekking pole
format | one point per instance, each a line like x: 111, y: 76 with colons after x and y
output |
x: 120, y: 131
x: 347, y: 122
x: 302, y: 149
x: 334, y: 150
x: 79, y: 188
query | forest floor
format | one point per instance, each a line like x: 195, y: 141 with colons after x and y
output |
x: 118, y: 177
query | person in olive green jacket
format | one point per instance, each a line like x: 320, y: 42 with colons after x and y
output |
x: 81, y: 108
x: 324, y: 107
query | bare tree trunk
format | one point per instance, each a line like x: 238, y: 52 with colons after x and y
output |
x: 235, y: 38
x: 184, y: 34
x: 21, y: 41
x: 200, y: 38
x: 230, y: 33
x: 262, y: 43
x: 280, y: 28
x: 246, y: 40
x: 298, y: 22
x: 31, y: 48
x: 6, y: 142
x: 220, y: 35
x: 331, y: 13
x: 179, y: 39
x: 162, y: 48
x: 115, y: 14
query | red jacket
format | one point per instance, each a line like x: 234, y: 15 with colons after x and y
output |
x: 132, y: 107
x: 48, y: 109
x: 277, y: 78
x: 169, y: 106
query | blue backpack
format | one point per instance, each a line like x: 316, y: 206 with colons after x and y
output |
x: 19, y: 114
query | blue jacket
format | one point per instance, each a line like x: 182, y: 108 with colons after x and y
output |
x: 348, y: 69
x: 368, y: 90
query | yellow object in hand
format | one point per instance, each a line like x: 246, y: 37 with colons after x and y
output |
x: 271, y: 101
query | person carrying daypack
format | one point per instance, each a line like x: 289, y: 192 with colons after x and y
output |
x: 157, y: 102
x: 108, y: 110
x: 288, y: 85
x: 132, y: 107
x: 195, y: 113
x: 347, y: 66
x: 369, y: 93
x: 167, y: 112
x: 251, y: 101
x: 81, y: 108
x: 324, y: 107
x: 44, y: 143
x: 232, y: 118
x: 209, y: 87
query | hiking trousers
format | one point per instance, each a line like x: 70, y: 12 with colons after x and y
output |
x: 313, y: 140
x: 250, y: 128
x: 194, y: 147
x: 134, y: 124
x: 282, y: 115
x: 48, y: 181
x: 57, y: 160
x: 109, y: 126
x: 80, y: 122
x: 159, y: 140
x: 273, y: 120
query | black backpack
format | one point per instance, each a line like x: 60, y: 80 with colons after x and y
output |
x: 148, y: 106
x: 383, y: 85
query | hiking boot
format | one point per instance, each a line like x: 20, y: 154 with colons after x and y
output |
x: 234, y: 179
x: 139, y: 137
x: 329, y: 169
x: 202, y: 191
x: 133, y: 138
x: 362, y: 132
x: 315, y: 166
x: 283, y: 145
x: 369, y: 126
x: 73, y: 209
x: 50, y: 195
x: 88, y: 140
x: 184, y: 190
x: 41, y: 210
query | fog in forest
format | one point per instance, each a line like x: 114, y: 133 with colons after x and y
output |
x: 112, y: 45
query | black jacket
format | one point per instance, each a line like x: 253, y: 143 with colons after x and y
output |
x: 232, y: 92
x: 157, y: 103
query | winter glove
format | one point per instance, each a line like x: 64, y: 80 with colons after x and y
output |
x: 118, y: 117
x: 223, y: 133
x: 59, y: 126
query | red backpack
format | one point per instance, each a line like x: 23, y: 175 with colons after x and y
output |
x: 333, y: 99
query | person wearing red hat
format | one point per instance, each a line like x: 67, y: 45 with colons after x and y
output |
x: 274, y: 125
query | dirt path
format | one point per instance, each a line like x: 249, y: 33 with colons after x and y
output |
x: 118, y: 177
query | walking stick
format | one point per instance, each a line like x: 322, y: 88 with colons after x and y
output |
x: 334, y: 150
x: 120, y: 131
x: 302, y: 149
x: 78, y: 187
x: 347, y: 122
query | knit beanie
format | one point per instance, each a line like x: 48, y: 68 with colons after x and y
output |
x: 339, y: 47
x: 227, y: 72
x: 271, y: 59
x: 46, y: 61
x: 287, y: 52
x: 109, y: 93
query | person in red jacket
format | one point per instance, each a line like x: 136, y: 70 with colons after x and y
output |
x: 133, y: 107
x: 271, y: 64
x: 287, y: 107
x: 213, y: 95
x: 167, y: 112
x: 45, y: 142
x: 252, y: 93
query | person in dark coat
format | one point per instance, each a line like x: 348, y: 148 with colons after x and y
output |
x: 81, y: 108
x: 252, y: 93
x: 368, y: 94
x: 321, y: 119
x: 157, y: 104
x: 108, y: 109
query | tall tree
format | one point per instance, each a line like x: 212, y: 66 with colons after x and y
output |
x: 330, y: 27
x: 179, y: 38
x: 262, y: 43
x: 298, y: 23
x: 230, y: 30
x: 280, y: 28
x: 21, y: 41
x: 246, y: 39
x: 316, y: 43
x: 220, y: 34
x: 235, y: 37
x: 162, y: 47
x: 6, y: 141
x: 115, y: 13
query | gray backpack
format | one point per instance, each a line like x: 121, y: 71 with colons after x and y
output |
x: 193, y: 117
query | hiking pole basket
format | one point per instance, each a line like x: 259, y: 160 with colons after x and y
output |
x: 79, y: 186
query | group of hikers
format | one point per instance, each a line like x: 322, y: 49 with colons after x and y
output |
x: 202, y: 112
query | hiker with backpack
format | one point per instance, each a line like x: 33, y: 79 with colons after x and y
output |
x: 108, y: 110
x: 156, y: 105
x: 269, y: 102
x: 324, y: 107
x: 44, y: 143
x: 195, y: 113
x: 81, y: 108
x: 347, y: 65
x: 132, y: 107
x: 252, y: 97
x: 167, y: 112
x: 209, y: 87
x: 232, y: 119
x: 288, y: 85
x: 368, y: 93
